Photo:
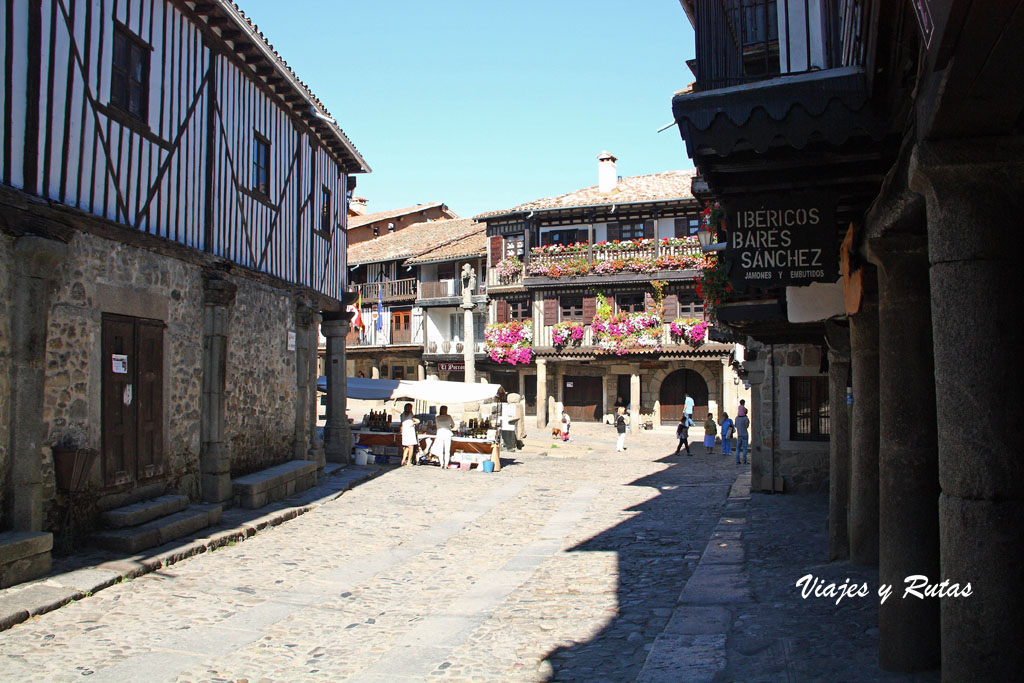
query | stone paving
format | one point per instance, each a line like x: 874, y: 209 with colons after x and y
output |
x: 587, y: 566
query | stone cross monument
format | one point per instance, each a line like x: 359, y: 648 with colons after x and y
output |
x: 468, y: 285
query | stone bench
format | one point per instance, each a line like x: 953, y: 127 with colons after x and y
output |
x: 276, y: 483
x: 24, y: 555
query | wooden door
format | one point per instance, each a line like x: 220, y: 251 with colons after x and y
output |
x: 582, y: 398
x: 672, y: 396
x: 401, y: 331
x: 530, y: 391
x: 132, y: 403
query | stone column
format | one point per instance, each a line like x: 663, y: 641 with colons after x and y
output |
x: 316, y: 442
x: 36, y: 261
x: 306, y: 333
x: 974, y: 192
x: 214, y: 459
x: 839, y: 441
x: 634, y: 401
x: 421, y: 372
x: 337, y: 433
x: 908, y: 473
x: 468, y: 356
x: 542, y: 393
x: 863, y: 508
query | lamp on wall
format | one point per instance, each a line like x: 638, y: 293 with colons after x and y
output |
x: 705, y: 237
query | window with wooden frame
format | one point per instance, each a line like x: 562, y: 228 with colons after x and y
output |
x: 571, y: 308
x: 518, y: 309
x: 808, y: 409
x: 129, y: 73
x: 690, y: 305
x: 325, y: 209
x: 630, y: 302
x: 261, y: 165
x: 631, y: 231
x: 514, y: 246
x: 564, y: 237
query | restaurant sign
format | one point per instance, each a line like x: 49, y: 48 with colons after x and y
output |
x: 451, y: 367
x: 777, y: 240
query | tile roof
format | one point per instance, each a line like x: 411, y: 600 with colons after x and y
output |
x: 473, y: 244
x: 656, y: 187
x: 395, y: 213
x: 412, y: 241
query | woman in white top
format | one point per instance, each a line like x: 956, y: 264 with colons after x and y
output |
x: 443, y: 441
x: 409, y: 423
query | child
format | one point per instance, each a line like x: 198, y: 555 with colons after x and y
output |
x: 681, y: 434
x: 727, y: 430
x: 710, y: 429
x: 566, y: 421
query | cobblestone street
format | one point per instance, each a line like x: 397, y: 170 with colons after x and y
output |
x: 567, y: 566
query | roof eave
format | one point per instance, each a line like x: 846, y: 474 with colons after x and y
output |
x: 584, y: 207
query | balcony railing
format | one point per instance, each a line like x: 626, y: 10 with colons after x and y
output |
x: 743, y: 41
x: 445, y: 289
x: 390, y: 290
x: 648, y: 257
x: 543, y: 339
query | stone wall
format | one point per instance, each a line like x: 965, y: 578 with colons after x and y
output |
x: 259, y: 411
x: 103, y: 276
x: 6, y: 277
x: 803, y: 465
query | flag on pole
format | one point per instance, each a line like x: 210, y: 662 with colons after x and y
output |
x: 380, y: 307
x: 357, y: 313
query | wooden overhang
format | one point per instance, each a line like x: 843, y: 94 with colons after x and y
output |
x: 224, y: 21
x: 591, y: 213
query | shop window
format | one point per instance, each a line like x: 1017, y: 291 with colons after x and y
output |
x: 808, y: 409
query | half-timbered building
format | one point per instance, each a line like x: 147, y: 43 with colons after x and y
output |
x: 172, y: 230
x: 601, y: 275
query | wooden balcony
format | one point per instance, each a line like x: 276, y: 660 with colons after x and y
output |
x: 598, y: 261
x: 445, y: 289
x: 392, y: 290
x: 542, y: 338
x: 494, y: 280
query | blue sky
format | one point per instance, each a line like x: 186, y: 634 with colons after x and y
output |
x: 485, y: 105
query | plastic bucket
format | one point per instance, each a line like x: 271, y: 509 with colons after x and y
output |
x: 465, y: 465
x: 488, y: 465
x: 361, y: 455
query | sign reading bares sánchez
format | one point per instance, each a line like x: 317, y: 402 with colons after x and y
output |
x: 781, y: 240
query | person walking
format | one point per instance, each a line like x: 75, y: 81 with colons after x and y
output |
x: 443, y: 441
x: 682, y: 430
x: 409, y: 423
x: 710, y: 430
x: 621, y: 420
x: 688, y: 409
x: 566, y: 421
x: 727, y: 430
x: 742, y: 437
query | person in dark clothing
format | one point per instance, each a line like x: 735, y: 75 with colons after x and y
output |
x: 681, y: 433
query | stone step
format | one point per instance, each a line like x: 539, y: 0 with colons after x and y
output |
x: 158, y: 531
x: 24, y: 555
x: 144, y: 511
x: 275, y: 483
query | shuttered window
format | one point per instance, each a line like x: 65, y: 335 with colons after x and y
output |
x: 571, y: 308
x: 630, y: 302
x: 518, y: 309
x: 631, y: 231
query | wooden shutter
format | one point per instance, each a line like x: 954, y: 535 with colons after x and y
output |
x: 671, y: 304
x: 614, y: 232
x: 550, y: 309
x: 649, y: 229
x: 589, y: 308
x: 501, y: 310
x: 496, y: 247
x: 682, y: 227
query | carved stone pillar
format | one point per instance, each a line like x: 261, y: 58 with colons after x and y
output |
x: 337, y: 433
x: 316, y: 442
x: 305, y: 381
x: 908, y: 474
x: 36, y: 261
x: 468, y: 356
x: 542, y: 393
x: 214, y: 459
x: 839, y: 441
x: 974, y: 193
x: 863, y: 508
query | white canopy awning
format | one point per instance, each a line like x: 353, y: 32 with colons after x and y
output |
x: 431, y: 391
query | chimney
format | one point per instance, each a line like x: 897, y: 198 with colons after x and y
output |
x: 606, y: 176
x: 357, y: 205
